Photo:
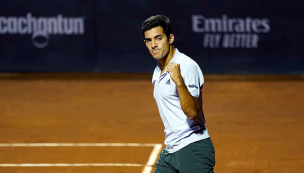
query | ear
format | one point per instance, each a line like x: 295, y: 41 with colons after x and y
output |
x: 171, y: 38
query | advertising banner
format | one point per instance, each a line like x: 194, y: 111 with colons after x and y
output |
x: 46, y: 35
x: 233, y: 37
x: 263, y: 37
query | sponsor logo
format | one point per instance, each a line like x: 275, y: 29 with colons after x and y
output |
x: 192, y: 86
x: 42, y: 27
x: 228, y: 32
x: 168, y: 82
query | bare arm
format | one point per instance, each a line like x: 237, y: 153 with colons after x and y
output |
x: 188, y: 103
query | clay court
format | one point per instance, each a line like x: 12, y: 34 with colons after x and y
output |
x: 89, y: 123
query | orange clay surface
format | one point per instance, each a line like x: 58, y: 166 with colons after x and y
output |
x: 255, y: 122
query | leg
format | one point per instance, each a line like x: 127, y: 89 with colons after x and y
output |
x: 196, y: 157
x: 163, y: 165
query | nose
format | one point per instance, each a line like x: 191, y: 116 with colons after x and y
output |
x: 153, y: 45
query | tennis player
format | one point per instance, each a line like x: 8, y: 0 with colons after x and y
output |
x: 178, y: 83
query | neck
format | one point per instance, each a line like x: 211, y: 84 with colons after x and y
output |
x: 167, y: 58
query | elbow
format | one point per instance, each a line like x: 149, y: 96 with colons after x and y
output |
x: 191, y: 114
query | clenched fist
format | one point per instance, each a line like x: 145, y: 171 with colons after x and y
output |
x: 174, y: 70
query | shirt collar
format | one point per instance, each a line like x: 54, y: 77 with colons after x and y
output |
x: 172, y: 60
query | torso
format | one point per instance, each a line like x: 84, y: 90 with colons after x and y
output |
x: 179, y: 130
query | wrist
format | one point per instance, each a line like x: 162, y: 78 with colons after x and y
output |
x: 179, y: 83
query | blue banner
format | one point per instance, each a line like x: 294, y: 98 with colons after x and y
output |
x: 235, y: 37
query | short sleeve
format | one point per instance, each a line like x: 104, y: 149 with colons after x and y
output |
x: 193, y: 78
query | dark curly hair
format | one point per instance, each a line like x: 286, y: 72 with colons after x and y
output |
x: 155, y: 21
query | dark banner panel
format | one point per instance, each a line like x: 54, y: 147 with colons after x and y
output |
x: 222, y: 36
x: 46, y: 35
x: 256, y: 37
x: 120, y: 40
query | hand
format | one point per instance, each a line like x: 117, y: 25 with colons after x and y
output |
x: 174, y: 70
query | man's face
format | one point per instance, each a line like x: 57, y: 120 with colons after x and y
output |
x: 157, y: 42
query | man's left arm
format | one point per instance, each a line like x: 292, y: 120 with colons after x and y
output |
x: 189, y: 104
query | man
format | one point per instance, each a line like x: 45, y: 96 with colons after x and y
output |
x: 178, y: 83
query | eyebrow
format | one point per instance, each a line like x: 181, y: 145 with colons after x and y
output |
x: 158, y: 36
x: 154, y: 37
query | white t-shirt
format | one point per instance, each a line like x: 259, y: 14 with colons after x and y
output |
x: 179, y: 129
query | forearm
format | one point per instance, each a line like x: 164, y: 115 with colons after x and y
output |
x: 189, y: 104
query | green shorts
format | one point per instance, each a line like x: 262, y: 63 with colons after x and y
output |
x: 195, y: 157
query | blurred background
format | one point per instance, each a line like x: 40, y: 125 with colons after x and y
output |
x: 223, y: 37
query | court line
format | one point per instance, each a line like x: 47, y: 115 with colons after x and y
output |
x: 67, y: 164
x: 76, y: 145
x: 152, y: 158
x: 147, y: 169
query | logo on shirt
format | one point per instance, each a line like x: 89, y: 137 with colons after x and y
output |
x: 168, y: 82
x: 192, y: 86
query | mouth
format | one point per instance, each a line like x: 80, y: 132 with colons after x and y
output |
x: 155, y: 51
